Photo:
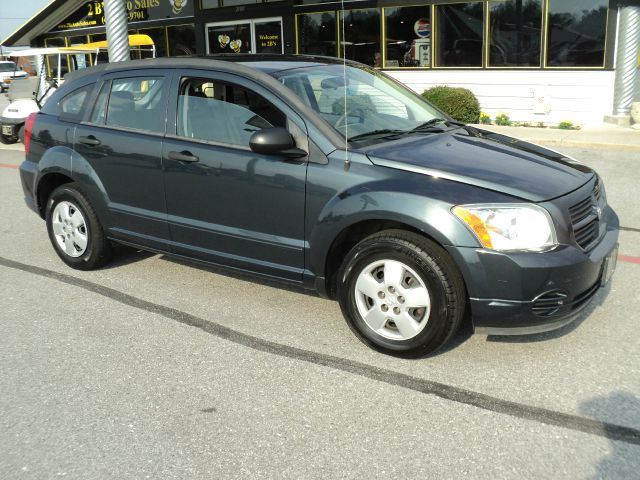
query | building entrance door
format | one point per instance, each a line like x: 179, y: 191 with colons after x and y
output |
x: 262, y: 35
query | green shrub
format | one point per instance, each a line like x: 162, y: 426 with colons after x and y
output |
x: 502, y: 119
x: 566, y: 125
x: 459, y: 103
x: 485, y: 118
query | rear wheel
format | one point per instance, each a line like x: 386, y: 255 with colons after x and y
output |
x: 7, y: 140
x: 401, y: 293
x: 75, y: 230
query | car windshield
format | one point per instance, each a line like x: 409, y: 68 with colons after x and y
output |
x: 375, y: 105
x: 7, y: 67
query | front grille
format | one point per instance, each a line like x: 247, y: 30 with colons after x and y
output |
x: 585, y: 217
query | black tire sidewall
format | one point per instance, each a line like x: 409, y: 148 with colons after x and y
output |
x: 70, y: 194
x: 426, y: 267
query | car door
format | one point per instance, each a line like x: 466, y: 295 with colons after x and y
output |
x: 122, y: 141
x: 225, y: 203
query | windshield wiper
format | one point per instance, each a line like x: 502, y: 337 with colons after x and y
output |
x: 373, y: 133
x: 430, y: 123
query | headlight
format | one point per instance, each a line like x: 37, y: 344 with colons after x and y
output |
x: 517, y: 226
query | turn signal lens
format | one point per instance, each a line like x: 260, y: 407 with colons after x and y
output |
x: 476, y: 224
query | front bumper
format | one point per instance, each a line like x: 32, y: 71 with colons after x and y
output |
x: 526, y: 293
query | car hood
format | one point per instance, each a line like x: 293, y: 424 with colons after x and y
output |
x: 486, y: 159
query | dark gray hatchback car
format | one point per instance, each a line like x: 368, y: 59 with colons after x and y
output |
x: 330, y: 176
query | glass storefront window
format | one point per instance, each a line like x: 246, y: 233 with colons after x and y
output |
x: 459, y: 34
x: 317, y: 33
x: 52, y: 60
x: 576, y: 33
x: 408, y: 36
x: 361, y: 40
x: 515, y: 33
x: 229, y: 38
x: 158, y: 35
x: 182, y: 40
x: 228, y: 3
x: 268, y: 36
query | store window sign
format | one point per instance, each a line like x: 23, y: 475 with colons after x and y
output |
x: 91, y: 14
x: 422, y: 27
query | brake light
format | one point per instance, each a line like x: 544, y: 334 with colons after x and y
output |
x: 28, y: 128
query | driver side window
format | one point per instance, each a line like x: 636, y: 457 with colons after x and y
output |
x: 222, y: 112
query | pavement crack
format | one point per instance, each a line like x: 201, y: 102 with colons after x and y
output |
x: 630, y: 229
x: 390, y: 377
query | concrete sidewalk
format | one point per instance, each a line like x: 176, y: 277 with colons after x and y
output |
x: 603, y: 136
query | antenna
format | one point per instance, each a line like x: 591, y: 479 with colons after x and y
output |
x: 347, y: 162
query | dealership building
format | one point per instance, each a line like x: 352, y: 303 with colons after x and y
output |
x: 536, y: 60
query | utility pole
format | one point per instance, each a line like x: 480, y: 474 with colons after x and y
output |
x: 115, y: 17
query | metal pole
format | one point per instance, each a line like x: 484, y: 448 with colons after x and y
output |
x: 42, y: 74
x: 626, y: 60
x: 115, y: 16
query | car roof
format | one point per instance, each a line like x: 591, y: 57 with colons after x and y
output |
x: 263, y: 63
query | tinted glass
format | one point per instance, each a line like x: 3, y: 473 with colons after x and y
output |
x: 7, y: 67
x: 460, y: 28
x: 137, y: 103
x: 230, y: 38
x: 52, y: 60
x: 515, y: 29
x: 408, y: 42
x: 268, y: 37
x: 100, y: 107
x: 159, y: 40
x: 223, y: 113
x: 361, y: 40
x: 72, y: 103
x: 317, y: 34
x: 182, y: 40
x: 577, y: 32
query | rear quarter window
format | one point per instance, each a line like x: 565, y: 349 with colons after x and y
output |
x: 70, y: 107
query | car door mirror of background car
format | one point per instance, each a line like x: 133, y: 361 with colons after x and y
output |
x: 275, y: 141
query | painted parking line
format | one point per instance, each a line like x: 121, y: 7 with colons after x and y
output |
x: 8, y: 165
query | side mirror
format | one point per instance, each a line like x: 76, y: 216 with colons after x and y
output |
x: 275, y: 141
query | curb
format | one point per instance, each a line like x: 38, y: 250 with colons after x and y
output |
x: 583, y: 144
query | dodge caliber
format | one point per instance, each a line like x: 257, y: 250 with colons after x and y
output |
x: 329, y: 176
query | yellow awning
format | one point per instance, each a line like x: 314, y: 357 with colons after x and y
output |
x: 137, y: 40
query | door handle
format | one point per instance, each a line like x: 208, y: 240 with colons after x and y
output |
x: 183, y: 156
x: 90, y: 140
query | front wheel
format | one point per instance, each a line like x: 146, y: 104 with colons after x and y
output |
x: 401, y: 293
x: 75, y: 230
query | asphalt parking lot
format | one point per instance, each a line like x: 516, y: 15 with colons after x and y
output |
x: 152, y: 368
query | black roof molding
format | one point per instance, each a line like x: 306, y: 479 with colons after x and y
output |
x: 43, y: 21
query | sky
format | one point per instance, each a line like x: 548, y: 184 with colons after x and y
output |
x: 14, y: 13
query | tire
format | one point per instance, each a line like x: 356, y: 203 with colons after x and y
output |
x: 7, y: 140
x: 417, y: 309
x: 75, y: 230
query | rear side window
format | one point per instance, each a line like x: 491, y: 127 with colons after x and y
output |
x: 137, y: 103
x: 100, y: 107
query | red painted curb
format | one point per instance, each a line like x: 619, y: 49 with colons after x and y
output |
x: 8, y: 165
x: 629, y: 259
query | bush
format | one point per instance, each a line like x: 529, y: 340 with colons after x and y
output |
x: 485, y: 118
x: 502, y: 119
x: 459, y: 103
x: 566, y: 125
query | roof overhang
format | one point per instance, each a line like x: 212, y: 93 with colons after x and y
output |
x: 43, y: 21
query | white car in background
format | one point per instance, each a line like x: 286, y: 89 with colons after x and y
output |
x: 9, y: 71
